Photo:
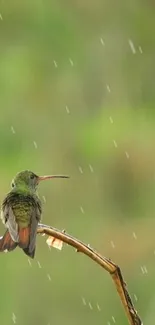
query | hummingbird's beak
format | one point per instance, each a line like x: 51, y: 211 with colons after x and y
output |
x: 43, y: 178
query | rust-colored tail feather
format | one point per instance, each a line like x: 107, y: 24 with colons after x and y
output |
x: 24, y: 237
x: 6, y: 243
x: 24, y: 241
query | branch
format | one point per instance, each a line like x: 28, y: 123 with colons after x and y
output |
x: 104, y: 262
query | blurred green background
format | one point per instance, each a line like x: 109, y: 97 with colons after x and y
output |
x: 77, y: 96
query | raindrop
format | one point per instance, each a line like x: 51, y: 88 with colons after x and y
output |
x: 108, y: 88
x: 98, y: 307
x: 144, y: 269
x: 113, y: 319
x: 115, y: 143
x: 112, y: 244
x: 71, y: 62
x: 90, y: 305
x: 127, y: 154
x: 81, y: 208
x: 108, y: 323
x: 1, y: 17
x: 44, y: 199
x: 35, y: 144
x: 135, y: 297
x: 80, y: 170
x: 91, y: 168
x: 132, y: 47
x: 14, y: 318
x: 67, y: 109
x: 39, y: 264
x: 84, y: 301
x: 134, y: 235
x: 111, y: 120
x: 55, y: 64
x: 29, y: 262
x: 49, y: 277
x: 140, y: 49
x: 13, y: 130
x: 102, y: 41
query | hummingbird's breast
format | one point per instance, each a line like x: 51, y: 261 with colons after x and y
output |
x: 24, y: 207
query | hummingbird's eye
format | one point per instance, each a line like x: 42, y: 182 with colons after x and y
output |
x: 32, y: 176
x: 12, y: 185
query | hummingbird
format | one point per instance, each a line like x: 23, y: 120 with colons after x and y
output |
x: 21, y: 212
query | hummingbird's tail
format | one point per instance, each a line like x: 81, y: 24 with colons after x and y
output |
x: 6, y: 243
x: 24, y: 241
x: 28, y: 252
x: 24, y: 237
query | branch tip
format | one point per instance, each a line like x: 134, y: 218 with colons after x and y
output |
x: 56, y: 235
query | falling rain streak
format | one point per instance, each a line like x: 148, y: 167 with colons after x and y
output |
x: 132, y: 47
x: 91, y: 168
x: 35, y: 144
x: 134, y: 235
x: 84, y: 301
x: 39, y: 264
x: 111, y: 120
x: 71, y: 62
x: 67, y: 109
x: 49, y: 277
x: 115, y: 144
x: 55, y: 64
x: 80, y: 170
x: 112, y: 244
x: 102, y: 41
x: 44, y: 199
x: 98, y: 307
x: 108, y: 88
x: 29, y: 262
x: 82, y: 210
x: 14, y: 318
x: 144, y: 269
x: 89, y: 304
x: 13, y: 130
x: 135, y: 297
x: 127, y: 155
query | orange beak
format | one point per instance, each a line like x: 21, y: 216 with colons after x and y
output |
x: 43, y: 178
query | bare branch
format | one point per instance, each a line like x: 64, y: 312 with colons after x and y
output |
x: 104, y: 262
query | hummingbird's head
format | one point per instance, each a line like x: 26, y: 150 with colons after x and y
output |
x: 27, y: 182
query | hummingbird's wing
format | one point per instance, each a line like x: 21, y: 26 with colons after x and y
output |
x: 13, y: 217
x: 35, y: 218
x: 9, y: 220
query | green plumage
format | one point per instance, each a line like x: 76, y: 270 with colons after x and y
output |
x: 23, y: 207
x: 21, y: 212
